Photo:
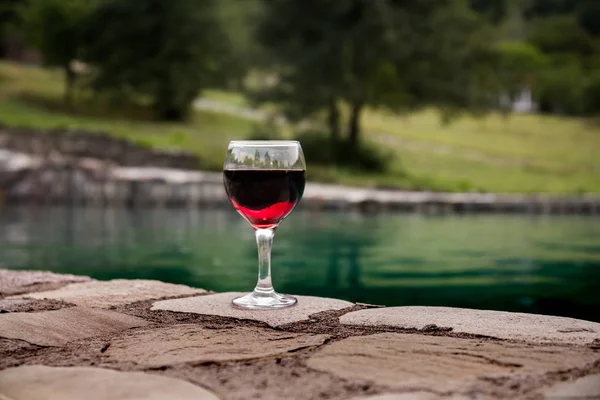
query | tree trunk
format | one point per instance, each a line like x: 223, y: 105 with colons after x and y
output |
x: 333, y: 120
x: 70, y: 77
x: 168, y: 105
x: 354, y: 128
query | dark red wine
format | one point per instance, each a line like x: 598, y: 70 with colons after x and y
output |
x: 264, y: 196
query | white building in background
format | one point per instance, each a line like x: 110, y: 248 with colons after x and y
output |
x: 522, y: 104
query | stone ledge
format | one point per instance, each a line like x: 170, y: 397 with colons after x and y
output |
x: 93, y: 181
x: 497, y: 324
x: 106, y: 294
x: 384, y: 353
x: 47, y: 383
x: 57, y: 328
x: 438, y: 364
x: 191, y: 343
x: 220, y: 304
x: 17, y: 282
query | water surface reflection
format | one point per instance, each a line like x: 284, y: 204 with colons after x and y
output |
x: 519, y: 263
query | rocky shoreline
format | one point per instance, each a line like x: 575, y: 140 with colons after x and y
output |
x: 70, y: 168
x: 66, y: 337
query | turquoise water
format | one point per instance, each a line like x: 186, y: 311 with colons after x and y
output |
x: 541, y: 264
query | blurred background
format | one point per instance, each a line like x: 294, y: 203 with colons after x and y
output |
x: 115, y: 116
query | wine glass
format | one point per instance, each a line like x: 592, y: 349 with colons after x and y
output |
x: 264, y: 180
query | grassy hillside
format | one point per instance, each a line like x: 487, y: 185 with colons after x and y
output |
x: 520, y: 154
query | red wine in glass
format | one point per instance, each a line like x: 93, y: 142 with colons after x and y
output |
x: 264, y: 180
x: 264, y: 196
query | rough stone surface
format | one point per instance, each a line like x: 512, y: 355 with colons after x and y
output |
x: 439, y: 364
x: 29, y: 305
x: 11, y: 305
x: 427, y: 354
x: 56, y: 328
x: 220, y: 304
x: 587, y: 387
x: 48, y: 383
x: 420, y: 395
x: 17, y: 282
x: 105, y: 294
x: 499, y: 324
x: 185, y: 343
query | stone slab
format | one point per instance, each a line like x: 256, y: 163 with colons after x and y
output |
x: 438, y: 363
x: 105, y: 294
x: 192, y: 343
x: 499, y: 324
x: 56, y: 328
x: 220, y: 304
x: 587, y: 387
x: 38, y: 382
x: 16, y: 282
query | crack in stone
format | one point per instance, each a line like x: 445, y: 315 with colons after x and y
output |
x: 281, y: 338
x: 38, y: 346
x: 490, y: 360
x: 575, y: 330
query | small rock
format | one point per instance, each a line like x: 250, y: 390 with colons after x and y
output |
x: 56, y: 328
x: 38, y: 382
x: 105, y: 294
x: 220, y: 304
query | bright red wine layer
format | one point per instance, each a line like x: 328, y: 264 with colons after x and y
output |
x: 264, y: 197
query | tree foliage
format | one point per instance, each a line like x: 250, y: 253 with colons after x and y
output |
x: 518, y: 65
x: 327, y: 60
x: 495, y: 10
x: 165, y: 51
x: 573, y: 55
x: 459, y: 72
x: 9, y: 15
x: 388, y: 53
x: 55, y: 27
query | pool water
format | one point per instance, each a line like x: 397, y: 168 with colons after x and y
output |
x: 540, y: 264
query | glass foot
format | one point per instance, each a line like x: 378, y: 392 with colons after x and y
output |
x: 264, y: 301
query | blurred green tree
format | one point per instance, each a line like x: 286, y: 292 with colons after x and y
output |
x: 9, y: 15
x: 560, y: 89
x: 362, y: 53
x: 566, y: 85
x: 163, y: 51
x: 457, y: 63
x: 55, y: 28
x: 239, y: 20
x: 586, y: 12
x: 519, y: 63
x: 561, y: 34
x: 588, y: 15
x: 591, y: 94
x: 495, y: 10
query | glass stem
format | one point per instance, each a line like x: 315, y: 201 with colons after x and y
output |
x: 264, y: 241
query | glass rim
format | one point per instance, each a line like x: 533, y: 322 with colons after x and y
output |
x: 244, y: 143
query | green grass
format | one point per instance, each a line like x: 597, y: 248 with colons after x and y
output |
x: 525, y: 153
x: 547, y: 142
x: 235, y: 99
x: 30, y: 97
